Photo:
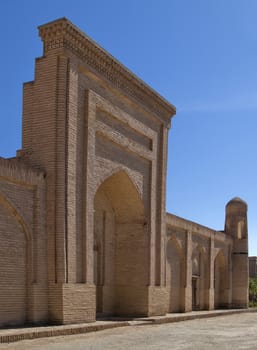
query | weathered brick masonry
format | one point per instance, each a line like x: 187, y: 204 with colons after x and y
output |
x: 83, y: 226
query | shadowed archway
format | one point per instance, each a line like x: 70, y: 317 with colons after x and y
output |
x: 120, y: 248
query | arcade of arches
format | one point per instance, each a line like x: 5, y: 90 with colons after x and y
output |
x: 83, y: 224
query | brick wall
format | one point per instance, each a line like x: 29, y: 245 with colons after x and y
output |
x: 13, y: 251
x: 23, y: 266
x: 85, y: 199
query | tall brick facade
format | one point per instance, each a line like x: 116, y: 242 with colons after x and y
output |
x: 83, y: 224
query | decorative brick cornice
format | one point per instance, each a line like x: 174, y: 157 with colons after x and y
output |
x: 63, y: 34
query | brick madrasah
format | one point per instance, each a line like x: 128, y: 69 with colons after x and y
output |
x: 83, y: 224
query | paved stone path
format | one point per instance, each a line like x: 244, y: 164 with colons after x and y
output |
x: 235, y: 332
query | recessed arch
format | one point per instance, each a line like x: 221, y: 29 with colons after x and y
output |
x: 16, y: 214
x: 120, y: 246
x: 199, y: 258
x: 14, y: 256
x: 220, y: 280
x: 173, y: 239
x: 107, y: 175
x: 175, y: 275
x: 200, y: 277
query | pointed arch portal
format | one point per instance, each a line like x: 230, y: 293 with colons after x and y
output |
x: 120, y: 247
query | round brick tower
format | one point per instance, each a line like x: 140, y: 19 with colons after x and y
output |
x: 236, y: 226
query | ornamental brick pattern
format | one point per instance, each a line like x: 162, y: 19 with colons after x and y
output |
x: 83, y: 224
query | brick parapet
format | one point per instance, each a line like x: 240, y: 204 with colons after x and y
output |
x: 187, y: 225
x: 63, y: 34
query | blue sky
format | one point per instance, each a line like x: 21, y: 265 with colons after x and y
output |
x: 200, y: 55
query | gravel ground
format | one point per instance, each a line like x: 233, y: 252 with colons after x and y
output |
x: 225, y: 332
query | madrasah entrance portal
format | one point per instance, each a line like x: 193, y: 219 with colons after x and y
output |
x: 120, y: 245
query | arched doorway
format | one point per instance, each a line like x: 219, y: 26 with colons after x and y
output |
x: 13, y: 267
x: 175, y: 275
x: 120, y: 248
x: 220, y: 281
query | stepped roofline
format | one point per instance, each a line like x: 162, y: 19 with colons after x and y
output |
x: 62, y: 33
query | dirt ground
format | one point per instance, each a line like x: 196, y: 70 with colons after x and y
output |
x: 237, y: 331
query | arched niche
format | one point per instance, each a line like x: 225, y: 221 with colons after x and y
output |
x: 175, y: 275
x: 221, y: 280
x: 14, y: 265
x: 200, y: 275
